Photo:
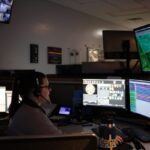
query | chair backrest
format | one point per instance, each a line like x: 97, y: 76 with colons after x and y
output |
x: 63, y: 142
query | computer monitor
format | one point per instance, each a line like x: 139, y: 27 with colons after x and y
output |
x: 139, y: 93
x: 8, y: 99
x: 117, y: 43
x: 104, y: 93
x: 64, y: 110
x: 5, y: 99
x: 2, y: 99
x: 142, y: 36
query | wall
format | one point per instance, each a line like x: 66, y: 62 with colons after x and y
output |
x: 47, y: 24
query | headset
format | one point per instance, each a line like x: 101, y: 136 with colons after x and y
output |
x: 37, y: 91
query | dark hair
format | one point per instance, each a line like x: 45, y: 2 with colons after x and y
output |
x: 23, y: 84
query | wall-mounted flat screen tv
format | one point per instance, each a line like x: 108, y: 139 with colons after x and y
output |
x: 142, y: 36
x: 115, y: 43
x: 5, y: 10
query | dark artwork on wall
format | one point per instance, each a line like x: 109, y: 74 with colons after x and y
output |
x: 54, y: 55
x: 34, y: 53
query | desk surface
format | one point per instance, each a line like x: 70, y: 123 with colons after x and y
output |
x: 72, y: 129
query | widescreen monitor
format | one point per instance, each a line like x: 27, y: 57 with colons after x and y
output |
x: 139, y: 93
x: 142, y: 36
x: 5, y: 10
x: 104, y: 93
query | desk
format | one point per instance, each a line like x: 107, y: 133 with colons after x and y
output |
x: 72, y: 129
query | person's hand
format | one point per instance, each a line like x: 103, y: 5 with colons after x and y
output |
x: 118, y: 139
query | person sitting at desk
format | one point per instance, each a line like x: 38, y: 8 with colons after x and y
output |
x: 29, y: 116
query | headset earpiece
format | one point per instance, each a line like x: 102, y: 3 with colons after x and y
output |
x: 37, y: 90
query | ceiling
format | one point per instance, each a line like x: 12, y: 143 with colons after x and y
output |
x: 126, y: 13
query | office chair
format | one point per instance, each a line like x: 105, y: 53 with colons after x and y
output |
x: 63, y: 142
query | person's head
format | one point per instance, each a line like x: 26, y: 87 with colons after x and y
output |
x: 29, y: 85
x: 33, y: 84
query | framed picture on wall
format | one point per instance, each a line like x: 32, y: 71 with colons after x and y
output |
x: 54, y: 55
x: 93, y: 54
x: 34, y: 53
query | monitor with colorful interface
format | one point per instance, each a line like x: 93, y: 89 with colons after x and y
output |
x: 142, y: 37
x: 139, y: 93
x: 104, y: 93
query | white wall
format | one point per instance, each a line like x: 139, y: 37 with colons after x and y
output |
x: 47, y: 24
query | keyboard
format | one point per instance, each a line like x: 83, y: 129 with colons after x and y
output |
x: 60, y: 120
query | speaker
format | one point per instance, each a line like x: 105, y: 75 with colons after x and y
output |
x: 33, y: 53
